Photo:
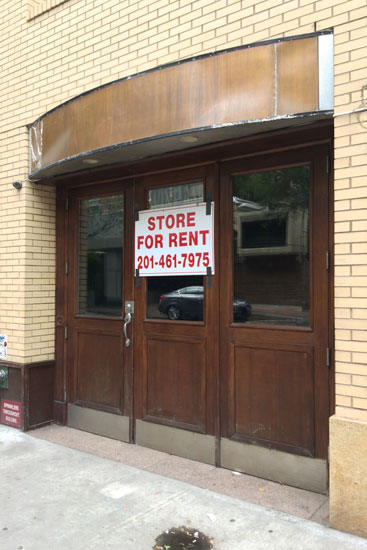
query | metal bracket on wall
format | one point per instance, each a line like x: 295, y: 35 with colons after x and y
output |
x: 136, y: 213
x: 137, y: 277
x: 4, y: 378
x: 328, y: 357
x: 209, y: 277
x: 209, y: 199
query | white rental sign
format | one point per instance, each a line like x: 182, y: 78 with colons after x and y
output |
x: 175, y: 241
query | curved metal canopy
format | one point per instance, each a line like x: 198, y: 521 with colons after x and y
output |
x: 187, y: 104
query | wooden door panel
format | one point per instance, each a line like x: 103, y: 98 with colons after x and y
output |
x: 99, y: 377
x: 176, y: 362
x: 274, y: 376
x: 100, y: 279
x: 176, y: 382
x: 272, y: 393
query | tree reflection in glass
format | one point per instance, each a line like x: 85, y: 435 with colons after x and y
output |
x: 271, y: 245
x: 100, y: 255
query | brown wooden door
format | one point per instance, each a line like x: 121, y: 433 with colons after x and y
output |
x: 100, y: 280
x: 274, y: 366
x: 227, y: 369
x: 176, y: 357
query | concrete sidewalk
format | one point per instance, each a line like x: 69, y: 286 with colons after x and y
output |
x: 56, y: 498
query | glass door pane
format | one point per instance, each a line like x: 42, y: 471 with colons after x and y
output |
x: 175, y: 297
x: 101, y: 222
x: 271, y: 247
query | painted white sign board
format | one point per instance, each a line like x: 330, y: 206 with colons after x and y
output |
x: 3, y: 346
x: 175, y: 241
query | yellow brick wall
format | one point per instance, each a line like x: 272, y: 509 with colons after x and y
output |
x: 57, y: 49
x: 351, y: 218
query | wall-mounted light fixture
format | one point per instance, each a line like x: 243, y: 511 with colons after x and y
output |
x: 17, y: 184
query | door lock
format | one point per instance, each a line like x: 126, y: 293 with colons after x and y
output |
x: 129, y: 307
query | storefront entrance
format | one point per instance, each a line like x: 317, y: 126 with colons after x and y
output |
x: 230, y: 368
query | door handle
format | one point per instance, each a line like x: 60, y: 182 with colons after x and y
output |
x: 127, y: 321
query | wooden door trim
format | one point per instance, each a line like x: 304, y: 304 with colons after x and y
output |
x: 62, y: 224
x: 331, y: 280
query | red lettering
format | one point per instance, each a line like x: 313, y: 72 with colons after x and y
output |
x: 191, y: 219
x: 170, y: 221
x: 151, y: 223
x: 180, y: 220
x: 149, y: 241
x: 159, y: 241
x: 204, y: 233
x: 160, y: 218
x: 172, y: 239
x: 140, y: 240
x: 182, y: 238
x: 193, y: 238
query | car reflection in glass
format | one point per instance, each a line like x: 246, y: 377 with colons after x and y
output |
x: 187, y: 303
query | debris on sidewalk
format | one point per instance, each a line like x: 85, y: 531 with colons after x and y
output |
x: 183, y: 538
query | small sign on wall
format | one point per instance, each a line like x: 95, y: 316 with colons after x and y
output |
x: 11, y: 412
x: 3, y: 346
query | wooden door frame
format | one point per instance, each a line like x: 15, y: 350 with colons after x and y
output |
x: 67, y: 255
x: 315, y: 477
